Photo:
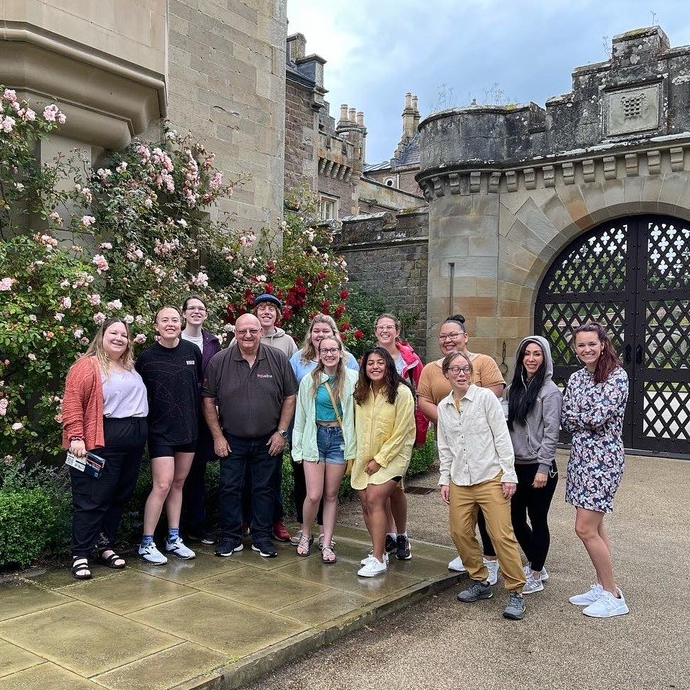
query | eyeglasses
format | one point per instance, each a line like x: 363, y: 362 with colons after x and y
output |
x: 450, y: 336
x: 248, y: 331
x: 329, y: 350
x: 457, y: 370
x: 200, y: 310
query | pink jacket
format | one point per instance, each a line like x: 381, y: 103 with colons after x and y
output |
x: 82, y: 404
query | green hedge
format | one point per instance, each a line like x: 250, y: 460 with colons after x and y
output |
x: 31, y: 522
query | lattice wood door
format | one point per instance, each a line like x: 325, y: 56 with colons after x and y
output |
x: 633, y: 276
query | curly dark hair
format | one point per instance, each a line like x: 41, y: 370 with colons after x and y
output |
x: 391, y: 378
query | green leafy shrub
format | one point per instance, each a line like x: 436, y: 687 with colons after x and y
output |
x: 27, y: 522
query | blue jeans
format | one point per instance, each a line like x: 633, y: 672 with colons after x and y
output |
x: 251, y: 453
x: 330, y: 444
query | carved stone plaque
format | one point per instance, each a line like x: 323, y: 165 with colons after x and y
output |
x: 632, y: 110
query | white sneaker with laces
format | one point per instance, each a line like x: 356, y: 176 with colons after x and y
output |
x: 457, y: 565
x: 370, y: 555
x: 373, y: 568
x: 151, y: 554
x: 607, y: 605
x: 587, y: 598
x: 532, y: 585
x: 492, y: 567
x: 543, y: 576
x: 177, y: 548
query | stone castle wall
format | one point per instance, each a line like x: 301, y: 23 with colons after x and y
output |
x: 226, y: 82
x: 387, y: 255
x: 509, y: 187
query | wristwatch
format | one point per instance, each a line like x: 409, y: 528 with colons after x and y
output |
x: 283, y: 433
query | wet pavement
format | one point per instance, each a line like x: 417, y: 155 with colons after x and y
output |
x: 208, y: 622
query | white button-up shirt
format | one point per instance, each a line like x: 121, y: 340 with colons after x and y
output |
x: 473, y: 441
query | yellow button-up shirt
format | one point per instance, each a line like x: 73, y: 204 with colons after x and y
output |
x: 473, y: 441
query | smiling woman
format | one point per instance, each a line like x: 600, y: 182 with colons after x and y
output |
x: 384, y: 416
x: 104, y: 409
x: 171, y: 370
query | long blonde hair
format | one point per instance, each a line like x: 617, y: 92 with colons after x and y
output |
x: 308, y: 352
x: 339, y: 381
x: 96, y: 350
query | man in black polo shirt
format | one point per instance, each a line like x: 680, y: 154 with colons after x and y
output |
x: 254, y: 389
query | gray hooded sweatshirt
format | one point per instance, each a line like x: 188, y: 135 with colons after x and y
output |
x: 536, y: 441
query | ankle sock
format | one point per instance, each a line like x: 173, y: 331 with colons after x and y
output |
x: 173, y: 533
x: 146, y: 539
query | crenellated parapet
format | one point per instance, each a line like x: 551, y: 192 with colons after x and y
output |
x: 341, y: 146
x: 624, y: 115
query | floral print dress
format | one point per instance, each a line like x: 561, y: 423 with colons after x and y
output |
x: 593, y: 412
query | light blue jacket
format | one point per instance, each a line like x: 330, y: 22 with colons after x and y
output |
x: 304, y: 434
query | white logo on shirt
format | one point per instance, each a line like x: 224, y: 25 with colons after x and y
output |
x: 191, y: 361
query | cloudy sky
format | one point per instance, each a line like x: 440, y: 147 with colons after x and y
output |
x: 448, y: 52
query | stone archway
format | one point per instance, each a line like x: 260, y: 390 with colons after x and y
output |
x: 632, y: 275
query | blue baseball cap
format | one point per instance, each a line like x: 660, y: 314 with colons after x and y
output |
x: 267, y: 297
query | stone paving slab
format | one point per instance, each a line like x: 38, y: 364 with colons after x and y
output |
x: 209, y: 622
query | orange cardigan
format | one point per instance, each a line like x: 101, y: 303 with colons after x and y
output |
x: 82, y: 404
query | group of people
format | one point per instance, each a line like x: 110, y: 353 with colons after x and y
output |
x: 504, y: 471
x: 192, y: 402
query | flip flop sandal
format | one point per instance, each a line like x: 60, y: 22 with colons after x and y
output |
x: 304, y: 546
x: 113, y: 561
x: 80, y: 568
x: 328, y: 555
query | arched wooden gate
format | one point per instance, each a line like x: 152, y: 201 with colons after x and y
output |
x: 633, y: 276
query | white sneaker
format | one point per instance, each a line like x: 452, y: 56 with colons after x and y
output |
x: 151, y: 554
x: 532, y: 585
x: 587, y: 598
x: 178, y: 549
x: 373, y: 568
x: 364, y: 561
x: 493, y: 571
x: 607, y: 606
x: 543, y: 576
x: 457, y: 565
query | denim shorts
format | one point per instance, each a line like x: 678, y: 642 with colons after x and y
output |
x: 329, y: 441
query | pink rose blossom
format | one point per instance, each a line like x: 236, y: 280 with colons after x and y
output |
x: 216, y: 181
x: 87, y: 220
x: 3, y: 406
x: 115, y: 304
x: 139, y: 338
x: 6, y: 284
x: 101, y: 264
x: 94, y: 300
x: 99, y: 317
x: 32, y: 356
x: 59, y: 316
x: 17, y: 426
x: 50, y: 112
x: 6, y: 124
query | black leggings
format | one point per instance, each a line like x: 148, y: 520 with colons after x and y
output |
x: 535, y: 539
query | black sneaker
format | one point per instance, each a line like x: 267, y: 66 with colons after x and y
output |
x: 227, y: 547
x: 391, y: 544
x: 209, y: 538
x: 265, y: 549
x: 403, y: 552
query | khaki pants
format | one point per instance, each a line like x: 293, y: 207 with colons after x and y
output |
x: 464, y: 503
